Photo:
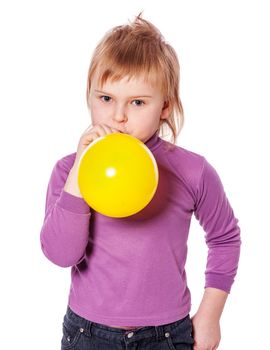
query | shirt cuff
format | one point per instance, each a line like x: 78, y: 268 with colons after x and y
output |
x: 73, y: 203
x: 219, y: 281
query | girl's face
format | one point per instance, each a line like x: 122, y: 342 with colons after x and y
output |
x: 133, y: 107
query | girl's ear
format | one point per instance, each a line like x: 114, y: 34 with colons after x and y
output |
x: 166, y: 110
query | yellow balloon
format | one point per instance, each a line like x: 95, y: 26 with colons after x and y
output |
x: 117, y: 175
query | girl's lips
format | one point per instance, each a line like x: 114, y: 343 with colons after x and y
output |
x: 120, y: 128
x: 122, y: 131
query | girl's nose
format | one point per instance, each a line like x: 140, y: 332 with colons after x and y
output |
x: 120, y: 115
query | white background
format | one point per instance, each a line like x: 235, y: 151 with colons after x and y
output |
x: 223, y: 48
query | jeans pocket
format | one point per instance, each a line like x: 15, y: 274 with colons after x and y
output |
x: 71, y: 335
x: 181, y: 338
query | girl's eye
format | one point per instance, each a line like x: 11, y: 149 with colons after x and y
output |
x: 108, y: 99
x: 138, y: 102
x: 105, y: 98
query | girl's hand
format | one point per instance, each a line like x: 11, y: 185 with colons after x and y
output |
x: 89, y: 135
x: 206, y: 332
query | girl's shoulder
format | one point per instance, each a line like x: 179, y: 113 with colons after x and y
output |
x: 186, y: 164
x: 183, y: 157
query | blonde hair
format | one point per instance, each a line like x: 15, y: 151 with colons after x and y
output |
x: 139, y: 48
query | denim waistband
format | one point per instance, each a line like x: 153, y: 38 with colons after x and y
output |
x: 117, y: 334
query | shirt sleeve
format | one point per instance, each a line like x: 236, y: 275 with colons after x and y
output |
x: 65, y: 230
x: 222, y: 233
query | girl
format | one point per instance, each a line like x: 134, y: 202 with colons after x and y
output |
x: 128, y: 287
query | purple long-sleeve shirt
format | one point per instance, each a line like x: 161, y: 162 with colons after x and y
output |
x: 131, y: 271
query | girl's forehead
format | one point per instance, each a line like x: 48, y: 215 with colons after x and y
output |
x: 142, y: 80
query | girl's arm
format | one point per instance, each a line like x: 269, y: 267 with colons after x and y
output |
x: 65, y: 231
x: 206, y: 329
x: 222, y: 233
x: 71, y: 185
x: 222, y: 236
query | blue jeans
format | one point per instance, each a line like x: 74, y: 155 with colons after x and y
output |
x: 81, y: 334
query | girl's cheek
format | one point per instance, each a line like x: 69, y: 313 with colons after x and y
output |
x: 96, y: 111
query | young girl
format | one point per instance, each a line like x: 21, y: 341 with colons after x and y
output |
x: 128, y: 288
